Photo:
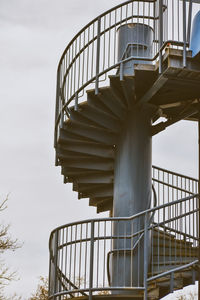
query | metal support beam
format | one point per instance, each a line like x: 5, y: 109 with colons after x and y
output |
x: 132, y: 193
x: 158, y: 84
x: 199, y: 199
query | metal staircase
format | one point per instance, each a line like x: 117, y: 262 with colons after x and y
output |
x: 155, y: 250
x: 82, y: 253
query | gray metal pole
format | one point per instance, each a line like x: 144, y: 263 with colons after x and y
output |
x: 132, y: 193
x: 199, y: 202
x: 91, y: 260
x: 160, y: 33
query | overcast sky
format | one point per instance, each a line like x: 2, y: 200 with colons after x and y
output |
x: 33, y: 35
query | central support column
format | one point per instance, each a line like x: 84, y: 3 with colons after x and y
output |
x: 132, y: 194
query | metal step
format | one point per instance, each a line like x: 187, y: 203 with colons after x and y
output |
x: 95, y: 117
x: 96, y: 177
x: 86, y: 188
x: 95, y: 201
x: 89, y: 164
x: 90, y: 132
x: 94, y: 101
x: 158, y: 268
x: 102, y: 191
x: 170, y: 242
x: 90, y: 148
x: 105, y: 205
x: 178, y: 251
x: 126, y: 86
x: 117, y: 91
x: 66, y: 137
x: 108, y: 98
x: 173, y: 259
x: 65, y: 154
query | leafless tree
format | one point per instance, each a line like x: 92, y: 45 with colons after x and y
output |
x: 6, y: 243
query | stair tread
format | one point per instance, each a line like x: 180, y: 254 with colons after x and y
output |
x: 90, y: 132
x: 88, y: 147
x: 90, y: 115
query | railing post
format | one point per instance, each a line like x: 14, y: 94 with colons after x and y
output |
x: 121, y: 71
x: 76, y: 102
x: 171, y: 282
x: 160, y: 34
x: 145, y: 254
x: 98, y: 56
x: 91, y: 260
x: 184, y: 34
x: 189, y: 21
x: 57, y: 106
x: 55, y: 260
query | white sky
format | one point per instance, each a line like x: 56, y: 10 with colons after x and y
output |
x: 33, y: 35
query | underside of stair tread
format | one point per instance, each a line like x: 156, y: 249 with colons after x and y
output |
x: 92, y: 133
x: 88, y: 148
x: 94, y: 125
x: 89, y: 115
x: 108, y: 101
x: 125, y: 88
x: 95, y: 178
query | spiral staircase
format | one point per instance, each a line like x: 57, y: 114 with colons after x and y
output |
x: 92, y: 105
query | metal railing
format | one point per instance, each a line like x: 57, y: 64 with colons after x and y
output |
x: 92, y: 55
x: 84, y: 255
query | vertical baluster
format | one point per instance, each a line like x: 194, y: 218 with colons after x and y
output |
x: 55, y: 262
x: 91, y: 260
x: 88, y: 53
x: 92, y: 59
x: 132, y: 244
x: 80, y: 257
x: 184, y: 34
x: 115, y: 38
x: 118, y: 247
x: 98, y: 234
x: 104, y: 255
x: 160, y: 34
x: 83, y: 62
x: 145, y: 255
x: 86, y: 263
x: 109, y: 38
x: 124, y: 250
x: 70, y: 258
x: 98, y: 56
x: 75, y: 245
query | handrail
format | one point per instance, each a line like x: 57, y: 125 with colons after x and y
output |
x: 149, y: 210
x: 92, y: 238
x: 141, y: 232
x: 96, y: 19
x: 174, y: 173
x: 92, y: 52
x: 173, y: 270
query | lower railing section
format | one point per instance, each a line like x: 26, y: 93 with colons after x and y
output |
x: 87, y: 258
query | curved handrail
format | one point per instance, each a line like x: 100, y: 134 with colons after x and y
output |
x: 92, y: 52
x: 149, y: 210
x: 72, y: 63
x: 141, y: 232
x: 94, y: 20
